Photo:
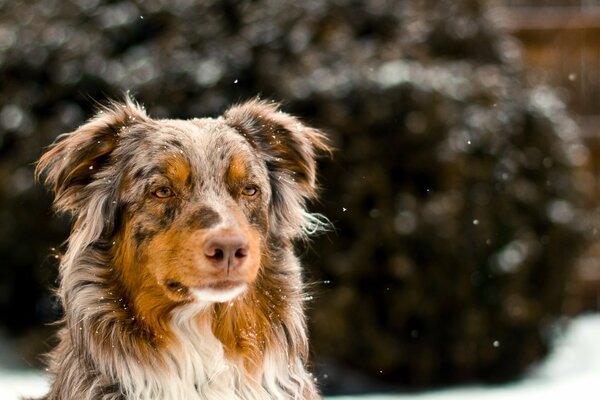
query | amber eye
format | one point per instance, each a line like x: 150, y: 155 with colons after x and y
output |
x: 249, y: 190
x: 163, y: 192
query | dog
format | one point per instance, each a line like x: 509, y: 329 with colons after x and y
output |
x: 179, y: 279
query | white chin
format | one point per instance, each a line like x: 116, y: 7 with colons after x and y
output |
x: 218, y: 295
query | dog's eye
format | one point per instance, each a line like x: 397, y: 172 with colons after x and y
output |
x: 163, y: 193
x: 249, y: 190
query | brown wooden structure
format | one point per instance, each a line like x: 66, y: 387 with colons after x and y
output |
x: 561, y: 47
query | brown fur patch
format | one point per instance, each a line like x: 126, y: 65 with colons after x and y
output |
x: 147, y: 300
x: 237, y: 171
x: 252, y: 323
x: 178, y: 170
x: 244, y: 328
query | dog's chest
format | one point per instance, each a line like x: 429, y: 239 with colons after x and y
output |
x: 197, y: 369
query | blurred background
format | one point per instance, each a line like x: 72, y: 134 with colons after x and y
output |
x: 464, y: 189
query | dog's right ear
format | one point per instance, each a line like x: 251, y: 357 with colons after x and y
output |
x: 70, y: 163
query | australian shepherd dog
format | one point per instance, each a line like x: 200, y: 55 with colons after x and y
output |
x: 179, y: 279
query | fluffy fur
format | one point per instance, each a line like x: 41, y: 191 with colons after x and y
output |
x: 154, y: 310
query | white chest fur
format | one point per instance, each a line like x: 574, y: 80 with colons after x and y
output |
x: 197, y: 369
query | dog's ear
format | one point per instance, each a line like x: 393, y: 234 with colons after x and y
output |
x: 290, y: 149
x: 71, y: 163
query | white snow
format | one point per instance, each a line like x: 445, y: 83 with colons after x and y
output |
x: 571, y: 372
x: 16, y: 383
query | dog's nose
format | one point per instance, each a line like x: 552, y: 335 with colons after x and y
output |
x: 226, y: 250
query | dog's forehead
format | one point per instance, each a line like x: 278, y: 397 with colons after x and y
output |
x: 200, y: 132
x: 205, y: 147
x: 199, y: 140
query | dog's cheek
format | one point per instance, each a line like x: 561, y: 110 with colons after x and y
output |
x: 173, y: 256
x: 143, y: 234
x: 159, y: 252
x: 257, y: 215
x: 168, y: 212
x: 257, y: 240
x: 152, y: 215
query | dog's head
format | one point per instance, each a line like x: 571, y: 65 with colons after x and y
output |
x: 186, y: 208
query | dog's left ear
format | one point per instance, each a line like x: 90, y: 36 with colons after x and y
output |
x: 290, y: 149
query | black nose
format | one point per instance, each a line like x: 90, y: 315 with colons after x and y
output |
x: 226, y: 250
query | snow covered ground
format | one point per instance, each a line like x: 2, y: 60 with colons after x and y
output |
x: 571, y: 372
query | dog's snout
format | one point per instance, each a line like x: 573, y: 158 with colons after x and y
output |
x: 226, y: 250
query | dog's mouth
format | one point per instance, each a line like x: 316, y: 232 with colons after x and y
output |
x: 219, y: 291
x: 226, y: 284
x: 215, y: 291
x: 176, y: 286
